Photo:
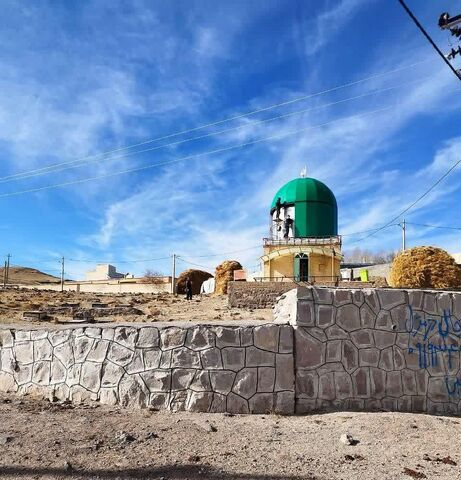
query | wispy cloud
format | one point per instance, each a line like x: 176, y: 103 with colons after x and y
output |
x: 142, y: 74
x: 324, y: 27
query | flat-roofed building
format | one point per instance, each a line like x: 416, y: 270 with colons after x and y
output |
x: 103, y: 271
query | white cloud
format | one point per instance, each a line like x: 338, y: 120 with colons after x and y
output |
x: 325, y: 26
x: 445, y: 157
x: 344, y: 155
x: 161, y: 81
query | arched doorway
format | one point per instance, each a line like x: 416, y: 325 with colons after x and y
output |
x: 301, y: 267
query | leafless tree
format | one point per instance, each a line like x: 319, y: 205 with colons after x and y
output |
x: 362, y: 255
x: 153, y: 277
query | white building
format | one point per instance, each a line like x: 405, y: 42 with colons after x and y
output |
x: 103, y: 272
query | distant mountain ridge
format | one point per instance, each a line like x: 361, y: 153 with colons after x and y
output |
x: 27, y: 276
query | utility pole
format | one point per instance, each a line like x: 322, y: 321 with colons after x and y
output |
x: 448, y: 23
x: 445, y: 21
x: 404, y: 240
x: 7, y: 268
x: 62, y: 274
x: 173, y: 275
x: 4, y: 275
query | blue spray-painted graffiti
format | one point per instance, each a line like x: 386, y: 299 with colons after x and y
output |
x: 453, y: 386
x: 435, y: 335
x: 446, y: 325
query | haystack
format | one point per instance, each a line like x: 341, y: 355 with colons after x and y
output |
x: 197, y: 277
x: 425, y: 267
x: 224, y: 274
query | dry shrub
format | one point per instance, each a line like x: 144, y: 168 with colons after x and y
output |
x: 197, y: 277
x: 153, y: 278
x: 155, y: 312
x: 225, y: 274
x: 425, y: 267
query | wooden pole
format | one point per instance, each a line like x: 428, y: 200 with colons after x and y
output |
x: 8, y: 268
x: 62, y: 274
x: 173, y: 275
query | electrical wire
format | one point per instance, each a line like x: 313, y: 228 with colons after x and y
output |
x: 193, y: 263
x: 197, y: 155
x: 53, y: 260
x: 77, y: 164
x: 433, y: 226
x: 434, y: 185
x: 229, y: 119
x: 227, y: 253
x: 365, y: 231
x: 424, y: 32
x: 161, y: 258
x: 215, y: 254
x: 117, y: 261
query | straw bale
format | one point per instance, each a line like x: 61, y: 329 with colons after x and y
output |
x: 225, y: 274
x: 425, y: 267
x: 197, y: 277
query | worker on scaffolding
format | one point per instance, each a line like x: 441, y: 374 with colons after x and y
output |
x: 278, y: 206
x: 288, y: 224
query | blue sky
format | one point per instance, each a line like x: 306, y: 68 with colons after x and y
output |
x: 81, y: 78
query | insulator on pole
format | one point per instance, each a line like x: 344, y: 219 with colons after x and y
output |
x: 447, y: 22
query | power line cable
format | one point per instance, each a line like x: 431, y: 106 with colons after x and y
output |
x: 229, y: 119
x: 434, y: 185
x: 53, y: 260
x: 161, y: 258
x: 227, y: 253
x: 188, y: 157
x: 193, y: 263
x: 77, y: 164
x: 117, y: 261
x: 215, y: 254
x: 424, y: 32
x: 433, y: 226
x: 365, y: 231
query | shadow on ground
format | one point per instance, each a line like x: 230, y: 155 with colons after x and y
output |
x: 182, y: 472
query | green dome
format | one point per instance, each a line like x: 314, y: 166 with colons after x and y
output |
x: 304, y: 190
x: 316, y: 211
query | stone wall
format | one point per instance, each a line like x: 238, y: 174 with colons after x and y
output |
x: 375, y: 349
x: 257, y: 294
x: 236, y: 368
x: 102, y: 286
x: 265, y: 294
x: 329, y: 349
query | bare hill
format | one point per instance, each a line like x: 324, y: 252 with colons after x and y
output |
x: 27, y: 276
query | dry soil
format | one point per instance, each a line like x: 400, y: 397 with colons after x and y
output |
x: 64, y: 306
x: 41, y: 440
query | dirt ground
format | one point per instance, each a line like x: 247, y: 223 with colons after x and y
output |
x: 40, y: 440
x: 43, y: 440
x: 65, y: 306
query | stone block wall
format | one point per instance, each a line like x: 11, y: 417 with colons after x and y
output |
x: 375, y: 349
x: 265, y: 294
x: 236, y: 368
x: 329, y: 349
x: 256, y: 294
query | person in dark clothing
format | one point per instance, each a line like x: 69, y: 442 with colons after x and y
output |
x: 288, y: 225
x: 188, y: 289
x: 278, y: 206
